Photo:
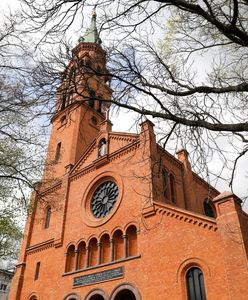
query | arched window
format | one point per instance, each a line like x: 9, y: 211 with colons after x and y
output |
x: 208, y: 208
x: 48, y: 217
x: 118, y: 245
x: 195, y: 284
x: 132, y: 247
x: 81, y: 263
x: 165, y: 183
x: 105, y: 249
x: 93, y: 252
x: 70, y: 259
x: 102, y: 148
x: 172, y: 189
x: 125, y: 295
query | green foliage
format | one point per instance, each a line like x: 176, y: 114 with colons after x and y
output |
x: 10, y: 235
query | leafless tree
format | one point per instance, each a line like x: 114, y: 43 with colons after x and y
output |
x: 183, y: 63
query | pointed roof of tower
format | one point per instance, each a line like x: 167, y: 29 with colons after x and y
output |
x: 91, y: 35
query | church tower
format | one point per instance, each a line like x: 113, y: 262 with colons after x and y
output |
x: 82, y: 104
x: 116, y: 217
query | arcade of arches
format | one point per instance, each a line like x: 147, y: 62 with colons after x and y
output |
x: 105, y: 250
x: 122, y: 292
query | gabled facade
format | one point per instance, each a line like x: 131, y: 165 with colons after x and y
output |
x: 116, y: 217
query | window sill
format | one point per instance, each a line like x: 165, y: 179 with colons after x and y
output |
x: 102, y: 265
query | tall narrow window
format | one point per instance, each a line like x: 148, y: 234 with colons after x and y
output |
x: 63, y: 101
x: 165, y: 183
x: 195, y: 284
x: 208, y: 209
x: 37, y: 271
x: 48, y: 217
x: 91, y: 99
x: 172, y: 188
x: 100, y: 110
x: 58, y: 150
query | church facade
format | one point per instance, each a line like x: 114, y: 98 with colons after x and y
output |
x: 116, y: 217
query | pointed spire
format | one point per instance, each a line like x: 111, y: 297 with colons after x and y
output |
x: 91, y: 35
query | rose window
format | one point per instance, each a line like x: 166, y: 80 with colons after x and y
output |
x: 104, y: 199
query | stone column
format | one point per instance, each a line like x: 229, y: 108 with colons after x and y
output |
x: 99, y: 247
x: 111, y: 241
x: 76, y: 259
x: 87, y: 257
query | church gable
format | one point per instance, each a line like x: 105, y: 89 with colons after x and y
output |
x: 103, y: 147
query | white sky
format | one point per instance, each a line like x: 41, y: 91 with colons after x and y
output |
x: 124, y: 121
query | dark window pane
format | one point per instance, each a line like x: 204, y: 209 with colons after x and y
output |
x: 48, y: 217
x: 165, y: 183
x: 195, y: 284
x: 37, y: 271
x: 208, y: 209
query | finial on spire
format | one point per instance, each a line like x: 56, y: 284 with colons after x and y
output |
x: 91, y: 35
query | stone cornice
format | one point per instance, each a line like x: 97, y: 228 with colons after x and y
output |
x: 40, y: 247
x: 50, y: 189
x: 184, y: 216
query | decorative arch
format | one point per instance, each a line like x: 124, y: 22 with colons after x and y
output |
x: 33, y: 296
x: 93, y: 252
x: 97, y: 294
x: 70, y: 258
x: 114, y: 230
x: 132, y: 241
x: 125, y: 288
x: 105, y: 248
x: 72, y: 296
x: 118, y: 244
x: 185, y: 266
x: 82, y: 255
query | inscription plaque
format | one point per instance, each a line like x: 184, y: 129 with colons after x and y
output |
x: 98, y: 277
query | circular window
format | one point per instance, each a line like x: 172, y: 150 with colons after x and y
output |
x: 104, y: 199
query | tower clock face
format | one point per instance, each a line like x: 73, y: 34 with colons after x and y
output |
x: 104, y: 199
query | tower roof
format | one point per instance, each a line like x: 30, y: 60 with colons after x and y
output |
x: 91, y: 35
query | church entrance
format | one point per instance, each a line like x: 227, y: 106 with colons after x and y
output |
x: 125, y: 295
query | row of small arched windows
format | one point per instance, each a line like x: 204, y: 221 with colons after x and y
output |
x: 107, y: 250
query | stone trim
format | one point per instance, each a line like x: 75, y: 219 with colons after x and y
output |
x: 96, y: 292
x: 40, y: 247
x: 51, y: 189
x: 186, y: 216
x: 115, y: 155
x: 125, y: 286
x: 102, y: 265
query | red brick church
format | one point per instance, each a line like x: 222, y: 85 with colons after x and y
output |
x: 116, y: 217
